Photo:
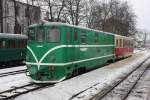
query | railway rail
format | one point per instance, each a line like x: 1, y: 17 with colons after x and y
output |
x: 130, y: 78
x: 123, y: 88
x: 12, y: 73
x: 16, y: 91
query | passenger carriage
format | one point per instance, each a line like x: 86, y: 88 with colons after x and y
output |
x: 12, y: 48
x: 123, y: 46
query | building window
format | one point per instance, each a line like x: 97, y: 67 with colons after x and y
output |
x: 7, y: 9
x: 27, y: 13
x: 17, y: 10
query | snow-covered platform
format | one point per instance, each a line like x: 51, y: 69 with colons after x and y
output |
x: 88, y: 84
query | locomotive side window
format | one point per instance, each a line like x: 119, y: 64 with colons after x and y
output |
x: 75, y: 35
x: 53, y: 35
x: 68, y: 36
x: 31, y: 35
x: 83, y: 38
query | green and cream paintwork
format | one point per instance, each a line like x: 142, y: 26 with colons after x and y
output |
x: 53, y: 62
x: 10, y: 50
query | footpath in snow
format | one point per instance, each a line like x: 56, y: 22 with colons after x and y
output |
x: 91, y: 83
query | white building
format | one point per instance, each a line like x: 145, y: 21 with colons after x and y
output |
x: 25, y: 15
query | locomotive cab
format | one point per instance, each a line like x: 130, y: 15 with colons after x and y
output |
x: 42, y: 53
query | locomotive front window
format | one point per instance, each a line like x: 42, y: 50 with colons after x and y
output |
x: 39, y: 35
x: 53, y: 35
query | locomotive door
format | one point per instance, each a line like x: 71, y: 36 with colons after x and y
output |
x: 75, y: 43
x: 70, y: 44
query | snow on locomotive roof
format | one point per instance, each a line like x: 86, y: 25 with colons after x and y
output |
x: 81, y: 27
x: 12, y: 36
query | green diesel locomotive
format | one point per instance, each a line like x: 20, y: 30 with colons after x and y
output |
x: 56, y: 51
x: 12, y: 48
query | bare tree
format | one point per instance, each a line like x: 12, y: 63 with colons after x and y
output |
x: 16, y: 12
x: 55, y: 9
x: 74, y: 11
x: 113, y: 16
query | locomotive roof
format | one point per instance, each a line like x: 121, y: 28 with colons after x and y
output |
x: 12, y: 36
x: 65, y: 24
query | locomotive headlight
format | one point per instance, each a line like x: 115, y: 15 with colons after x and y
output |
x: 51, y: 68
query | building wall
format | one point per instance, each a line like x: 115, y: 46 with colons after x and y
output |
x: 23, y: 19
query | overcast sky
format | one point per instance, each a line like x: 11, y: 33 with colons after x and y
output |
x: 142, y: 10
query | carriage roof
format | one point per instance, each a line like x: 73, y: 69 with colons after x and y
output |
x: 69, y: 25
x: 12, y: 36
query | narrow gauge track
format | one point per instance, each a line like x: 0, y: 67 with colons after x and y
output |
x: 123, y: 88
x: 16, y: 91
x: 108, y: 89
x: 12, y: 73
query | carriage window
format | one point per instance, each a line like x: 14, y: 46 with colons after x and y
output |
x: 31, y: 35
x: 39, y: 35
x: 83, y: 37
x: 4, y: 44
x: 120, y: 43
x: 1, y: 44
x: 53, y: 35
x: 12, y: 44
x: 117, y: 42
x: 22, y: 44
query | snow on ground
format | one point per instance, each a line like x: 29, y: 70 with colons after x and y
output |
x: 7, y: 82
x: 12, y: 69
x: 13, y: 80
x: 142, y: 88
x: 99, y: 78
x: 136, y: 50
